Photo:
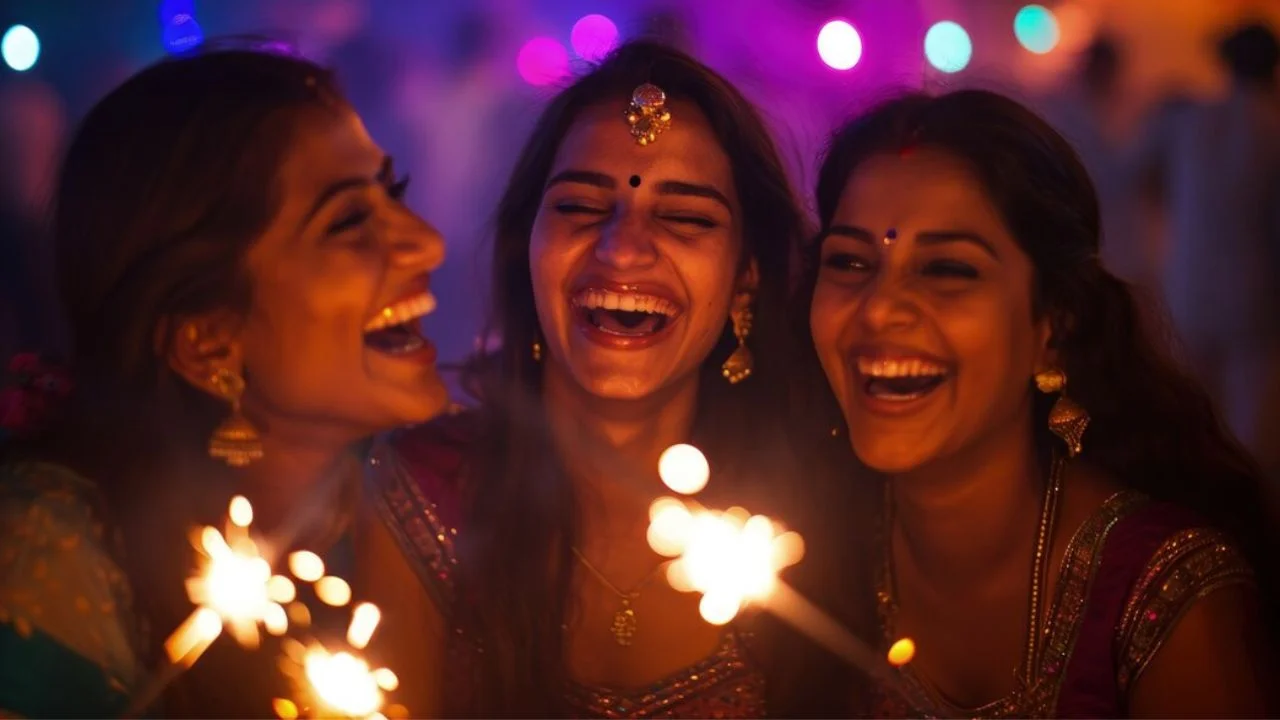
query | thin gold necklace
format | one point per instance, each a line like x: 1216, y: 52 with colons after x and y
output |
x: 624, y: 619
x: 1033, y: 651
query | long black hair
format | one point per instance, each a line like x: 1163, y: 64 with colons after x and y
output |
x: 522, y: 514
x: 167, y: 183
x: 1154, y: 428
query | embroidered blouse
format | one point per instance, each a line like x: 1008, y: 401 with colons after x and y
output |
x: 1130, y: 572
x: 414, y: 481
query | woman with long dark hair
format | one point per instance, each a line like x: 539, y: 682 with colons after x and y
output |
x: 243, y: 288
x: 640, y: 280
x: 1068, y: 529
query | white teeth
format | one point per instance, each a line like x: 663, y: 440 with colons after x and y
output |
x: 899, y: 367
x: 403, y: 311
x: 629, y: 302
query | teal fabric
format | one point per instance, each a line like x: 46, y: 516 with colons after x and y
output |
x: 41, y: 678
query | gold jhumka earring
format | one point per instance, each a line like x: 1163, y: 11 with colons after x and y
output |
x: 647, y: 113
x: 236, y: 441
x: 739, y: 365
x: 1067, y: 419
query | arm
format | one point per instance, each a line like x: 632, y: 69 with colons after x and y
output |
x: 1192, y: 641
x: 1215, y: 662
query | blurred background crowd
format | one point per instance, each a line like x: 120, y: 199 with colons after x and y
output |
x: 1173, y: 105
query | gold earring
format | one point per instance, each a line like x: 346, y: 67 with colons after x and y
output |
x: 738, y: 366
x: 537, y: 351
x: 1067, y: 419
x: 236, y: 441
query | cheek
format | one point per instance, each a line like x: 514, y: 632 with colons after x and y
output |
x: 832, y: 311
x: 995, y: 347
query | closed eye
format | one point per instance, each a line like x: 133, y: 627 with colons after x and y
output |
x: 568, y: 208
x: 951, y: 269
x: 700, y: 222
x: 349, y: 221
x: 846, y: 262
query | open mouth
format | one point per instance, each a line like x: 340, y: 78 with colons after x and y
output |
x: 396, y: 329
x: 632, y: 315
x: 900, y: 379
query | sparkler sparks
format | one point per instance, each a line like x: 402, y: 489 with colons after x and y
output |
x: 338, y: 683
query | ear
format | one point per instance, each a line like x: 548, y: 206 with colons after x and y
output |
x: 745, y: 287
x: 197, y: 347
x: 1046, y: 354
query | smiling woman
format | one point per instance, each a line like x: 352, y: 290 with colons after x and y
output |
x: 243, y: 281
x: 641, y: 273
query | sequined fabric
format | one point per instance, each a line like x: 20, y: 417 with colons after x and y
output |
x: 1133, y: 558
x: 414, y: 484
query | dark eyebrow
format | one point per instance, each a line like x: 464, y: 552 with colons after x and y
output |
x: 851, y: 231
x: 584, y: 177
x: 340, y: 186
x: 675, y: 187
x: 939, y: 237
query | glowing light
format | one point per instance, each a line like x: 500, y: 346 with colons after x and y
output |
x: 240, y: 511
x: 20, y: 48
x: 947, y: 47
x: 1036, y: 28
x: 731, y: 557
x: 684, y: 469
x: 364, y: 620
x: 902, y: 652
x: 839, y: 45
x: 182, y: 34
x: 593, y: 36
x: 542, y: 61
x: 306, y: 566
x: 343, y: 682
x: 333, y: 591
x: 284, y: 708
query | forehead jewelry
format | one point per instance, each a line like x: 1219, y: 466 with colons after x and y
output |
x: 647, y: 113
x: 890, y: 235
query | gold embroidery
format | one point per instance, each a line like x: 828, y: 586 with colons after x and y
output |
x: 1039, y: 699
x: 1188, y: 566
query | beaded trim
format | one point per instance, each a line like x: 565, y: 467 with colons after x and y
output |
x: 425, y: 540
x: 1040, y: 697
x: 1188, y: 566
x: 725, y: 679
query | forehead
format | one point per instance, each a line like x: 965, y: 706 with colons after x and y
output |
x: 928, y: 186
x: 327, y: 145
x: 600, y: 140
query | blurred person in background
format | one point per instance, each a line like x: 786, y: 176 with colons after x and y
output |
x: 1216, y: 167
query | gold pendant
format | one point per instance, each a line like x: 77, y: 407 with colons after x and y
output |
x: 624, y: 623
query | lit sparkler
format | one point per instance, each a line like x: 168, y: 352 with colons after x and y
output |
x: 338, y: 683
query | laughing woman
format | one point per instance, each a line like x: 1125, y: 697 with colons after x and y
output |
x: 640, y: 279
x: 1098, y: 547
x: 237, y: 270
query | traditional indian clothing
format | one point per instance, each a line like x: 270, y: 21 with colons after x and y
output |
x: 1129, y: 573
x: 416, y: 481
x: 68, y: 642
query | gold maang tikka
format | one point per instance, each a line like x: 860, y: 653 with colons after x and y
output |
x: 647, y: 114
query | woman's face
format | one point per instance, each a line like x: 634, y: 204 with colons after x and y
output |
x: 635, y: 253
x: 340, y: 285
x: 922, y: 315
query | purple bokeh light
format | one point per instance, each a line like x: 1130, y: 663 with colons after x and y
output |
x: 543, y: 61
x: 593, y: 36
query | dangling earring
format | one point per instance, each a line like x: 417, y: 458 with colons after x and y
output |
x: 537, y: 351
x: 738, y: 366
x: 236, y: 441
x: 1067, y: 419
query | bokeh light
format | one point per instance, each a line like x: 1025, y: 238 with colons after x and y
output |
x: 593, y: 36
x: 839, y: 45
x: 543, y: 61
x: 1036, y: 28
x: 20, y: 48
x: 947, y: 47
x: 182, y: 34
x: 684, y: 469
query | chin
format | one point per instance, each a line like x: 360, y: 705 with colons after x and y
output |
x: 890, y: 456
x: 419, y: 406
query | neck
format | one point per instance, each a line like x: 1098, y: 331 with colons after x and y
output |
x: 966, y: 514
x: 610, y: 448
x: 301, y: 477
